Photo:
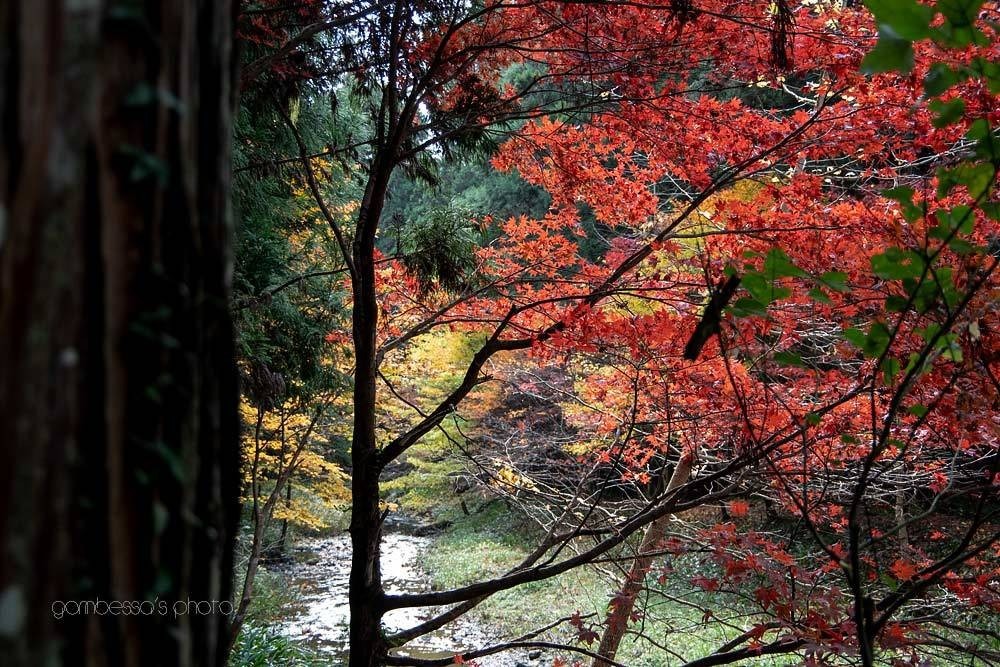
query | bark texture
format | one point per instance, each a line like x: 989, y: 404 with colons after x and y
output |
x: 118, y: 397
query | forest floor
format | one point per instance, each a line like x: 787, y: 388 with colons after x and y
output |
x: 454, y: 539
x: 487, y: 537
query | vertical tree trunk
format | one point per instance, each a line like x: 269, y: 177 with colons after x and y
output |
x: 365, y: 591
x: 283, y: 537
x: 621, y: 610
x: 119, y: 467
x: 899, y: 512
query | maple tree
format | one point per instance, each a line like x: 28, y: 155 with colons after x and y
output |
x: 797, y: 307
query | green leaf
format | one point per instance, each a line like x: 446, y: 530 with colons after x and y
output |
x: 890, y: 54
x: 918, y: 410
x: 951, y: 349
x: 911, y: 212
x: 890, y: 368
x: 953, y: 353
x: 947, y: 112
x: 987, y: 141
x: 896, y: 304
x: 818, y: 295
x: 916, y: 359
x: 763, y: 289
x: 960, y: 12
x: 878, y: 339
x: 978, y: 129
x: 988, y: 71
x: 780, y: 292
x: 977, y: 179
x: 855, y: 337
x: 958, y: 30
x: 902, y: 194
x: 786, y: 358
x: 940, y: 78
x: 959, y: 218
x: 945, y: 276
x: 929, y: 332
x: 963, y: 247
x: 778, y: 265
x: 956, y: 36
x: 835, y: 280
x: 874, y: 343
x: 758, y: 286
x: 924, y: 293
x: 745, y: 307
x: 908, y: 19
x: 894, y: 264
x: 992, y: 210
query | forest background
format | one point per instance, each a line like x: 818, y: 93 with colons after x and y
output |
x: 685, y: 309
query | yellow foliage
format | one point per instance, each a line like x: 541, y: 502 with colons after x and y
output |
x: 664, y: 262
x: 508, y: 478
x: 385, y: 506
x: 284, y: 438
x: 424, y: 372
x: 300, y: 514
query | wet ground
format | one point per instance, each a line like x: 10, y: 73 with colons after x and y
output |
x: 320, y: 575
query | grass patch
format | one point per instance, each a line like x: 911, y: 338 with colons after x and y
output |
x: 428, y: 488
x: 488, y: 543
x: 262, y: 646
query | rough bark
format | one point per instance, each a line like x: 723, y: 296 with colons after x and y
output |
x: 617, y: 621
x: 119, y: 467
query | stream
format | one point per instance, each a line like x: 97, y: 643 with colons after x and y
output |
x: 320, y: 616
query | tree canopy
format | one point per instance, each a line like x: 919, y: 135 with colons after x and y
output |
x: 766, y: 248
x: 702, y: 294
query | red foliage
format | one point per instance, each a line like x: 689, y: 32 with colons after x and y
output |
x: 696, y: 182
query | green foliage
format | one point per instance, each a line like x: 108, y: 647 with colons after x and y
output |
x: 427, y: 488
x: 902, y: 22
x: 765, y: 288
x: 262, y: 646
x: 440, y: 248
x: 891, y: 53
x: 468, y: 184
x: 874, y: 343
x: 271, y: 594
x: 496, y: 538
x: 283, y: 330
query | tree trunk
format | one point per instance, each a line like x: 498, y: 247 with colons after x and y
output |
x: 283, y: 538
x: 903, y: 534
x: 632, y: 585
x: 365, y: 593
x: 118, y: 400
